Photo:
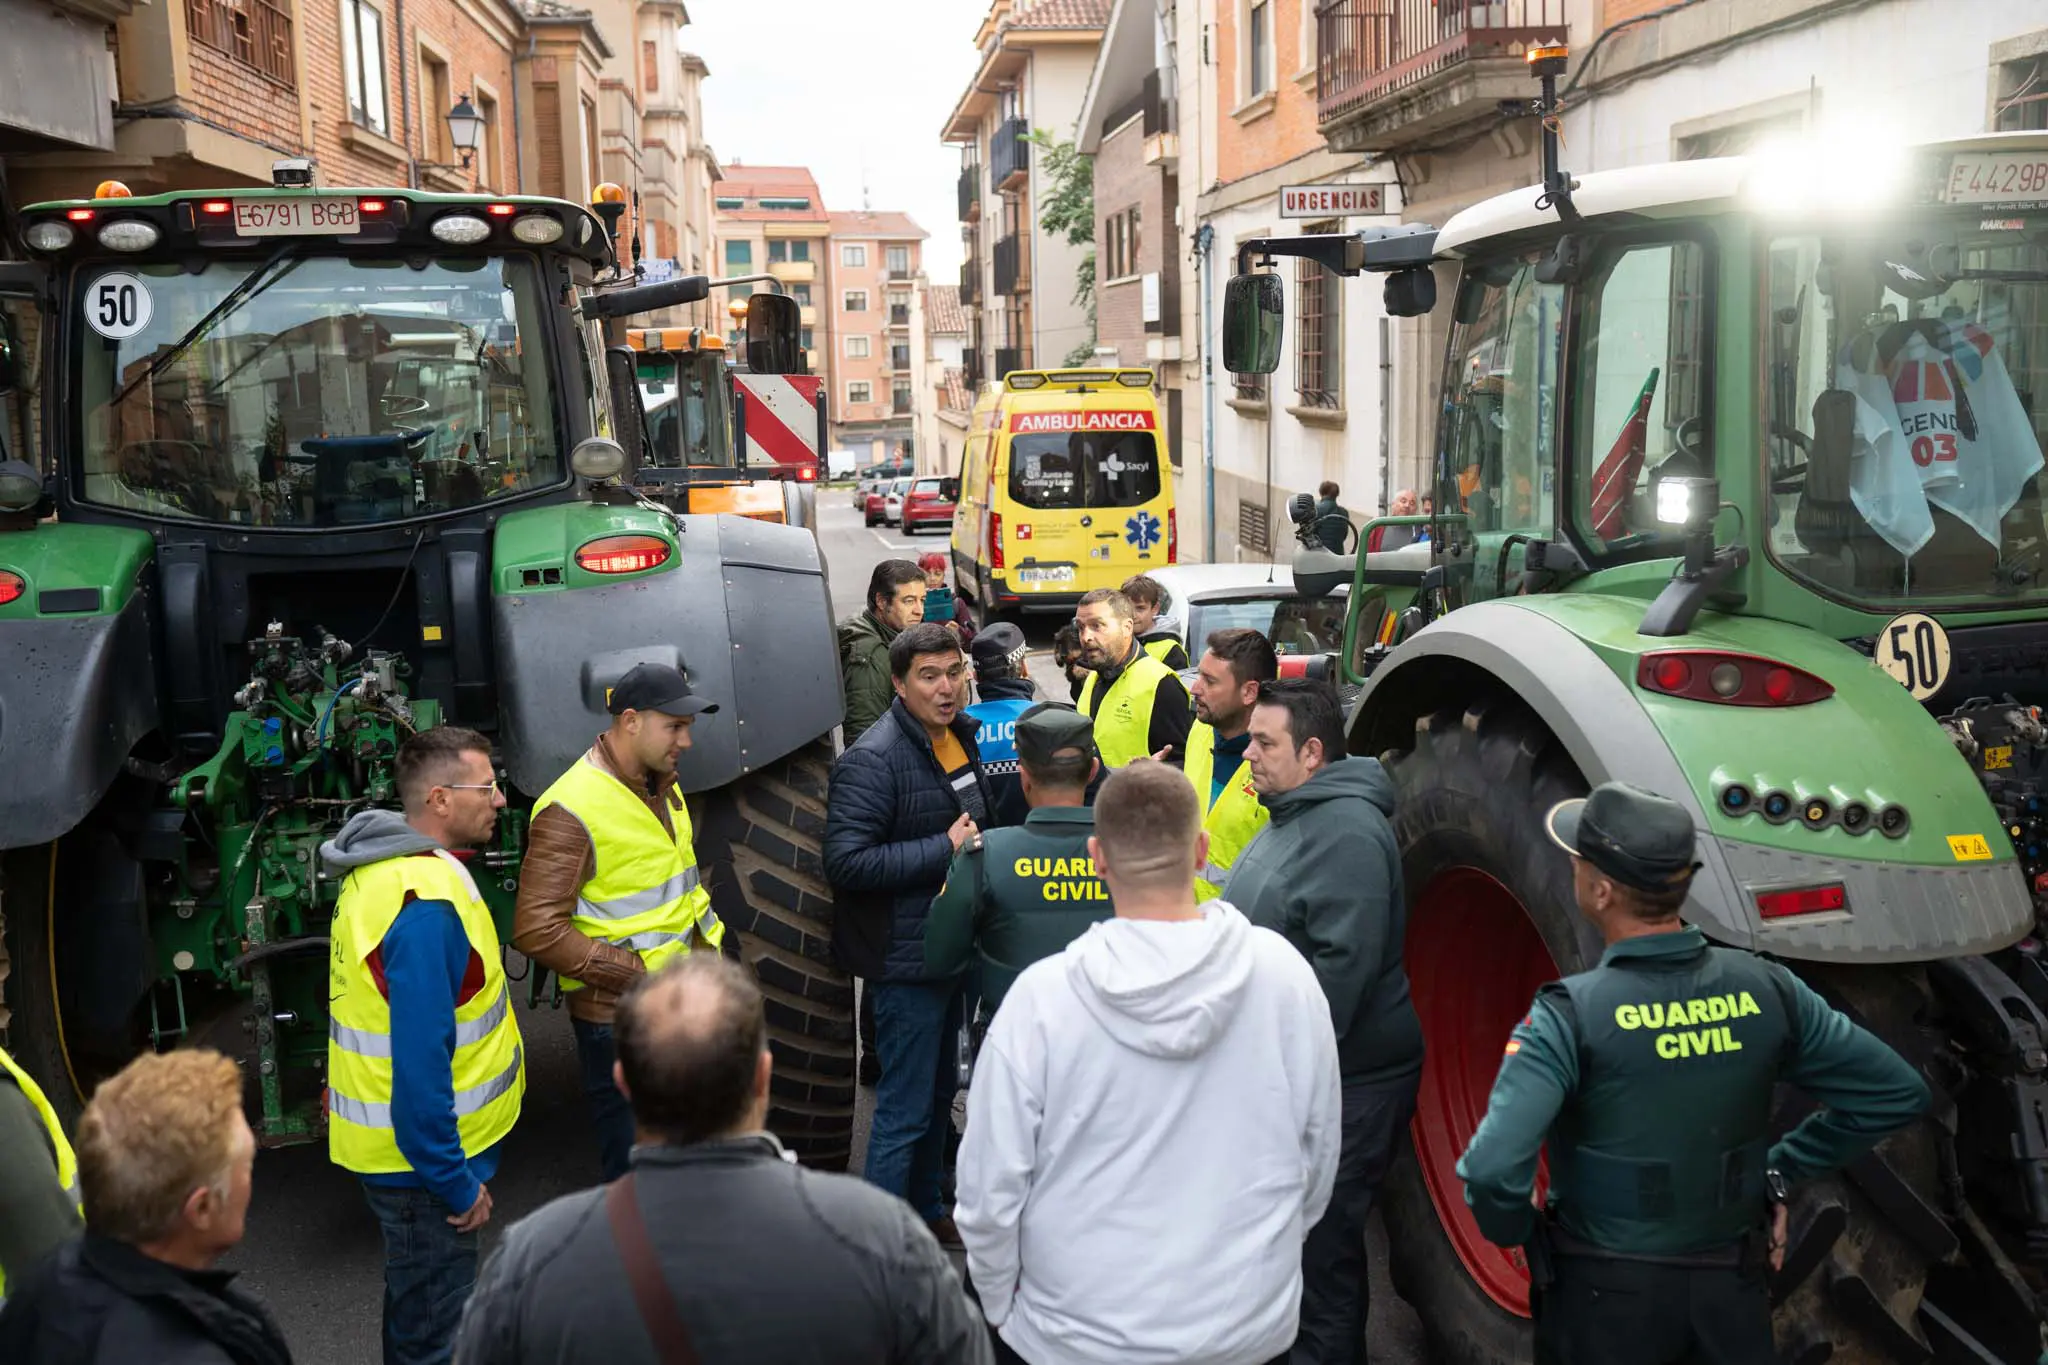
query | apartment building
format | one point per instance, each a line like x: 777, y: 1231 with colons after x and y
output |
x: 771, y: 220
x: 873, y: 272
x: 938, y: 376
x: 1018, y: 281
x: 1129, y: 126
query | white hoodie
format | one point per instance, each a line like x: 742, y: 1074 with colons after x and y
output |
x: 1152, y: 1131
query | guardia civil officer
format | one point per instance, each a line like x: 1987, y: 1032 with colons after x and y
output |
x: 1651, y: 1076
x: 1013, y: 896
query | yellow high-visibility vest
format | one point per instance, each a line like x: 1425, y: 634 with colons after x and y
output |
x: 67, y: 1160
x: 1123, y: 720
x: 1231, y: 820
x: 1159, y: 649
x: 489, y: 1066
x: 644, y: 893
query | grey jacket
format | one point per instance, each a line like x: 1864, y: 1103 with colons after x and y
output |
x: 769, y: 1264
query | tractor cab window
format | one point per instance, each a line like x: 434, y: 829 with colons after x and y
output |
x: 312, y: 391
x: 1906, y: 403
x: 1496, y: 454
x: 687, y: 400
x: 1641, y: 402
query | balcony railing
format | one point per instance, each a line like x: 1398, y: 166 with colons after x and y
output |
x: 970, y: 281
x: 794, y: 272
x: 970, y: 193
x: 899, y: 357
x: 899, y: 315
x: 1374, y: 48
x: 256, y: 33
x: 970, y: 368
x: 1009, y: 155
x: 1012, y: 276
x: 1008, y: 358
x: 899, y: 403
x: 1149, y: 102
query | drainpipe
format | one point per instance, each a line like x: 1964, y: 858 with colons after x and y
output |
x: 518, y: 137
x: 1205, y: 239
x: 412, y: 165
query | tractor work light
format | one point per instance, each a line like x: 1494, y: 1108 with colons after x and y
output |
x: 537, y: 229
x: 1804, y: 900
x: 597, y: 459
x: 12, y: 586
x: 49, y: 235
x: 623, y: 554
x: 129, y: 234
x: 460, y: 229
x: 20, y: 490
x: 1687, y: 503
x: 1728, y: 679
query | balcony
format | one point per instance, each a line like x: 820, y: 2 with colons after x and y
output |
x: 1008, y: 358
x: 1395, y: 71
x: 1013, y: 274
x: 899, y: 357
x: 1009, y: 155
x: 899, y: 404
x: 807, y: 315
x: 899, y: 315
x: 970, y: 194
x: 970, y: 369
x: 970, y: 281
x: 794, y: 272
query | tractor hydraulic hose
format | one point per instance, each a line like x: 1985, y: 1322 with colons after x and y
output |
x: 320, y: 730
x: 263, y: 952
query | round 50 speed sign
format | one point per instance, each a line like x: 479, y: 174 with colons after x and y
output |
x: 1914, y: 649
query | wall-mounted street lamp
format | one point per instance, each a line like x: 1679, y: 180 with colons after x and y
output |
x: 465, y: 135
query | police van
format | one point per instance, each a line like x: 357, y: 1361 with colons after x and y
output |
x: 1064, y: 488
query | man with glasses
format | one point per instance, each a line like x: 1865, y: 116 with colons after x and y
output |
x: 424, y: 1066
x: 609, y: 888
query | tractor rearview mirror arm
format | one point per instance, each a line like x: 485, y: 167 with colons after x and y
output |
x: 646, y: 298
x: 1376, y: 250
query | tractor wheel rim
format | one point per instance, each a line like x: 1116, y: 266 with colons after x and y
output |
x: 1474, y: 963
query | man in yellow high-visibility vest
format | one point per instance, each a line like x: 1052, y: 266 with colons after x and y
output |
x: 1226, y: 688
x: 425, y: 1072
x: 1139, y: 705
x: 38, y: 1174
x: 609, y: 887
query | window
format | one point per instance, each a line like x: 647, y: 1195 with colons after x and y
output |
x: 1084, y: 469
x: 778, y: 252
x: 490, y: 160
x: 257, y: 34
x: 1258, y: 30
x: 799, y: 251
x: 767, y: 201
x: 856, y: 346
x: 899, y: 260
x: 650, y: 65
x: 2023, y: 95
x: 739, y: 257
x: 856, y: 256
x: 1318, y: 331
x: 1639, y: 412
x: 1496, y: 447
x: 805, y: 340
x: 899, y: 396
x: 362, y: 63
x: 854, y: 301
x: 1120, y: 247
x: 860, y: 391
x: 729, y: 203
x: 435, y: 97
x: 802, y: 294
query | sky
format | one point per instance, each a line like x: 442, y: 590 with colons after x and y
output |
x: 856, y: 91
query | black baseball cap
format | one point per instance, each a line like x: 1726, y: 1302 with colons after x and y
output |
x: 657, y: 687
x: 1049, y: 728
x: 1637, y: 837
x: 998, y: 648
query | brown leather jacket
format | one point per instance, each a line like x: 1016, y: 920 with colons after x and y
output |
x: 558, y: 862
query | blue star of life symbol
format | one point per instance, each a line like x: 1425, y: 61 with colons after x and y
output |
x: 1142, y: 530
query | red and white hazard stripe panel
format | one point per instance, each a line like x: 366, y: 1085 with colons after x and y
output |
x: 782, y: 417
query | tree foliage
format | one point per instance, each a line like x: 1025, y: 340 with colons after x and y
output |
x: 1069, y: 212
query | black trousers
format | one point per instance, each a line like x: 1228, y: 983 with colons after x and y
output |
x: 1334, y: 1286
x: 1598, y: 1311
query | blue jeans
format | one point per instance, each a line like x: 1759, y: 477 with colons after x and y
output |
x: 429, y: 1270
x: 916, y: 1025
x: 610, y: 1113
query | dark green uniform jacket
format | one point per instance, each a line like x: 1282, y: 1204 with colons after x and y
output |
x: 1652, y: 1075
x: 1325, y: 873
x: 864, y: 669
x: 1014, y: 896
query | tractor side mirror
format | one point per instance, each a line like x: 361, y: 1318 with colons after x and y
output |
x: 1410, y: 293
x: 773, y: 335
x: 1254, y: 309
x: 629, y: 416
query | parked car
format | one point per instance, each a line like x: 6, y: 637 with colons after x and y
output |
x: 893, y: 494
x: 927, y: 505
x: 861, y: 488
x: 874, y: 500
x: 1201, y: 599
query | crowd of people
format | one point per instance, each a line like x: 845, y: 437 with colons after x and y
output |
x: 1156, y: 931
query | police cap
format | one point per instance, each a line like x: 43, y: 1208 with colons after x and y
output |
x: 656, y: 687
x: 1049, y: 728
x: 998, y: 650
x: 1636, y: 837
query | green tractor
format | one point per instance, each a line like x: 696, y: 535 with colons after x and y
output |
x: 1728, y: 451
x: 329, y: 466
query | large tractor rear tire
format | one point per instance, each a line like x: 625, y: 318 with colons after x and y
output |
x: 761, y: 845
x: 1491, y: 917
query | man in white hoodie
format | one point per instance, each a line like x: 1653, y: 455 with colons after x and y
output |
x: 1154, y: 1122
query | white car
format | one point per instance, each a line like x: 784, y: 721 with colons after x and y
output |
x: 892, y: 501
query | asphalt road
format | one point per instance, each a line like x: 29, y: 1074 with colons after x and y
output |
x: 312, y: 1250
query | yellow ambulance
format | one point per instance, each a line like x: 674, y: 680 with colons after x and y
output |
x: 1065, y: 487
